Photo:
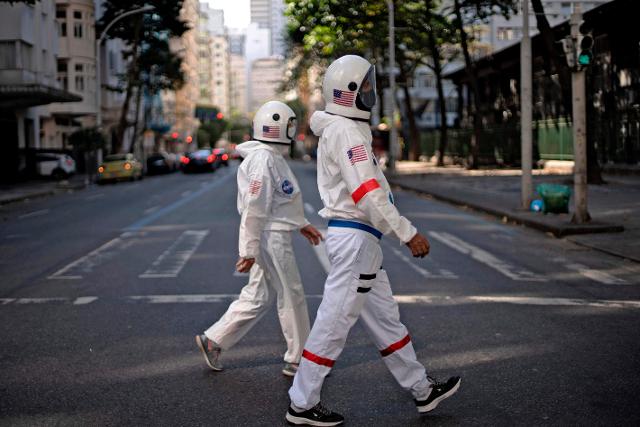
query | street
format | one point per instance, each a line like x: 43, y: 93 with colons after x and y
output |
x: 103, y: 290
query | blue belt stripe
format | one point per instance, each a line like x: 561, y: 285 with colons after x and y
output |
x: 352, y: 224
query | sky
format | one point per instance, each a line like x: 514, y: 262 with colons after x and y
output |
x: 236, y: 12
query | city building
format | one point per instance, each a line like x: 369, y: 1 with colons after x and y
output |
x: 76, y: 72
x: 28, y: 82
x: 265, y: 81
x: 238, y: 84
x: 269, y: 14
x: 211, y: 20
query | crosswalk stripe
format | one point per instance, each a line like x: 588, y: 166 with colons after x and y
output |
x: 486, y: 258
x: 596, y: 275
x: 443, y: 274
x: 172, y: 261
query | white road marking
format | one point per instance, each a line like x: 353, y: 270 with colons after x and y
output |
x: 84, y: 300
x: 309, y: 209
x: 171, y: 262
x: 236, y: 273
x: 443, y: 274
x: 34, y: 213
x: 94, y: 197
x: 186, y: 193
x: 151, y: 209
x: 596, y: 275
x: 401, y: 299
x: 86, y: 263
x: 484, y: 257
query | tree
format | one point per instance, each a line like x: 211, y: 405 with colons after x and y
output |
x: 468, y: 12
x: 151, y: 63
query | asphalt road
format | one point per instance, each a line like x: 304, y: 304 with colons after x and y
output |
x: 103, y: 290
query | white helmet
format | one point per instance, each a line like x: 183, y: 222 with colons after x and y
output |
x: 275, y: 122
x: 349, y: 87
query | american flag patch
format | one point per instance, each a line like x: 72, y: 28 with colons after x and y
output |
x: 255, y: 186
x: 271, y: 131
x: 357, y: 154
x: 343, y: 97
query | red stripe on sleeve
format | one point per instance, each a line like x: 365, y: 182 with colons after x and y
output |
x: 395, y: 346
x: 317, y: 359
x: 366, y: 187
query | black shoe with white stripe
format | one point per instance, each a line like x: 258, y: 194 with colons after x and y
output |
x: 439, y: 392
x: 316, y: 416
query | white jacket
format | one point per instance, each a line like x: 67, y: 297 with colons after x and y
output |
x: 268, y: 196
x: 350, y: 182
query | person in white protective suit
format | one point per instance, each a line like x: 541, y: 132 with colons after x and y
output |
x: 359, y: 206
x: 270, y: 205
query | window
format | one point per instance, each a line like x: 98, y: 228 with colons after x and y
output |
x: 79, y: 68
x: 77, y: 14
x: 80, y: 83
x: 7, y: 55
x: 61, y: 13
x: 63, y: 29
x: 62, y: 66
x: 77, y: 30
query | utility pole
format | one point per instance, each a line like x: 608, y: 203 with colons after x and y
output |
x: 579, y: 106
x: 393, y: 132
x: 526, y: 117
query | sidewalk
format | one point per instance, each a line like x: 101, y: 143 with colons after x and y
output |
x: 33, y: 189
x: 614, y: 208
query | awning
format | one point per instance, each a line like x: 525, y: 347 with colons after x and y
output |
x: 23, y: 96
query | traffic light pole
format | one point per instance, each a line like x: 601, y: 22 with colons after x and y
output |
x: 526, y: 105
x: 581, y: 213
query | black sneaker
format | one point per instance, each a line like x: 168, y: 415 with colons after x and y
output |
x: 439, y: 392
x: 316, y: 416
x: 210, y: 351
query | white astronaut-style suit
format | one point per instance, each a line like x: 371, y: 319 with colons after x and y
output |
x: 270, y: 205
x: 359, y: 206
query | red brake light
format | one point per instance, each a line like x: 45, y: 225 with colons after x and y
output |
x: 225, y: 157
x: 211, y: 158
x: 127, y: 166
x: 184, y: 160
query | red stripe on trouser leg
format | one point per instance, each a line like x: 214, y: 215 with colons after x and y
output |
x: 395, y: 346
x: 366, y: 187
x: 317, y: 359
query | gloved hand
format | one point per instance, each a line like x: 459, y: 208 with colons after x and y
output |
x: 244, y: 264
x: 419, y: 246
x: 312, y: 234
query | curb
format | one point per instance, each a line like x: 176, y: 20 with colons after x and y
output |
x: 23, y: 197
x: 519, y: 218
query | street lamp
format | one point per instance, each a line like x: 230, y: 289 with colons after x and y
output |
x: 143, y: 9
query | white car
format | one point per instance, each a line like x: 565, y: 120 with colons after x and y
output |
x: 54, y: 165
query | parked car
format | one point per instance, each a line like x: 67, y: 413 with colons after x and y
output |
x: 54, y: 165
x: 119, y: 167
x: 222, y: 155
x: 202, y: 160
x: 159, y: 163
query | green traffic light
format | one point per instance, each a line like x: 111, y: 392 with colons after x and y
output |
x: 584, y: 59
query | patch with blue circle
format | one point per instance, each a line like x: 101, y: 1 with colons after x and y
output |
x: 391, y: 198
x: 287, y: 186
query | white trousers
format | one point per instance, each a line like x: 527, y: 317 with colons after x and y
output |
x: 274, y: 276
x: 356, y: 287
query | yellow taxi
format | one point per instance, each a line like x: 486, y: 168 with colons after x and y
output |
x: 119, y: 167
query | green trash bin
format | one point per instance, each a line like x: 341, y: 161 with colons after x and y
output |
x: 555, y: 196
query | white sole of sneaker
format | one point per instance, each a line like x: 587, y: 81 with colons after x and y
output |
x: 431, y: 406
x: 299, y: 421
x: 288, y: 373
x: 204, y: 354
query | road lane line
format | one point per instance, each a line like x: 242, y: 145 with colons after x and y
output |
x: 154, y: 216
x: 309, y: 209
x: 94, y: 197
x: 87, y: 263
x: 151, y: 209
x: 321, y: 253
x: 172, y: 261
x: 236, y: 273
x: 484, y: 257
x: 34, y: 213
x: 438, y: 300
x: 596, y: 275
x: 185, y: 193
x: 444, y: 274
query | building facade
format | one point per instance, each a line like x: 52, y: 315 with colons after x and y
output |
x: 28, y: 82
x: 266, y: 80
x: 269, y: 14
